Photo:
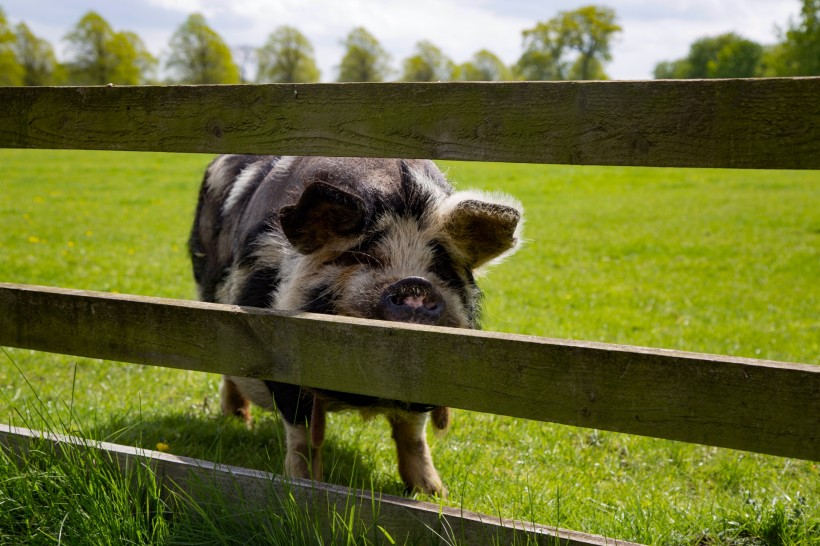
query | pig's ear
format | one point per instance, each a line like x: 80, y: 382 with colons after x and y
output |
x: 484, y: 230
x: 323, y: 213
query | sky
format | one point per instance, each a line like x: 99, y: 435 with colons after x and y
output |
x: 653, y: 30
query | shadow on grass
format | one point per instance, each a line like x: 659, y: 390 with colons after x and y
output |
x: 200, y: 432
x: 226, y: 440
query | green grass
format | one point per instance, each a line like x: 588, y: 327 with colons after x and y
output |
x: 700, y: 260
x: 73, y: 493
x: 77, y: 496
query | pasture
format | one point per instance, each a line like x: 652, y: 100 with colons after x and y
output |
x: 711, y: 261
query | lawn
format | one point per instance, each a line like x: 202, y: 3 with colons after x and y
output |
x: 711, y: 261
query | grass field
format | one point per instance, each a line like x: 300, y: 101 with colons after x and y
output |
x: 700, y: 260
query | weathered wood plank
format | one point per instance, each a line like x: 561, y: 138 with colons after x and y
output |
x: 255, y: 491
x: 743, y: 123
x: 761, y: 406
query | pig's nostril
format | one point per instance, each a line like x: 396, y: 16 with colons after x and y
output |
x: 416, y: 301
x: 413, y: 299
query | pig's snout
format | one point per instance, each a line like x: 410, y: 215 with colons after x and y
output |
x: 413, y: 299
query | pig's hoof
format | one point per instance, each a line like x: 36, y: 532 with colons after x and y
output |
x: 428, y: 486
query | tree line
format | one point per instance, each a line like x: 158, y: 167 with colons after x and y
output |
x: 573, y: 45
x: 733, y: 56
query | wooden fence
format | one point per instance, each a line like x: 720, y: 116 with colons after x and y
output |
x: 754, y: 405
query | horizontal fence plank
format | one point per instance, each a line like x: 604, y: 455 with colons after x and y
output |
x: 253, y: 492
x: 754, y: 405
x: 738, y: 123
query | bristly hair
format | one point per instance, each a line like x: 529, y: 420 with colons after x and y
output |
x: 417, y: 196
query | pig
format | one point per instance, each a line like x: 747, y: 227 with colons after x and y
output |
x: 385, y: 239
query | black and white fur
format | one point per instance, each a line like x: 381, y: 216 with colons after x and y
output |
x: 375, y: 238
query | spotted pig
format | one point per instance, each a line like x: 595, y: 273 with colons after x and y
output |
x: 384, y: 239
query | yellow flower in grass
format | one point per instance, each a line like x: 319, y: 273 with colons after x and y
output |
x: 162, y: 446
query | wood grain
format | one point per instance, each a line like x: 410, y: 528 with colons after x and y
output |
x: 760, y: 406
x: 739, y: 123
x: 253, y: 492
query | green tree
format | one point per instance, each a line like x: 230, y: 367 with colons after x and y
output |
x: 364, y: 60
x: 36, y: 56
x: 89, y: 43
x: 485, y: 66
x: 545, y: 48
x: 11, y: 73
x: 772, y: 63
x: 99, y: 55
x: 287, y: 57
x: 590, y: 30
x: 198, y: 55
x: 724, y: 56
x: 799, y: 51
x: 671, y: 70
x: 135, y: 64
x: 585, y: 33
x: 737, y: 59
x: 587, y: 69
x: 727, y: 55
x: 428, y: 64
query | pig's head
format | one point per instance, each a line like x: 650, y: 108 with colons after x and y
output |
x: 406, y: 254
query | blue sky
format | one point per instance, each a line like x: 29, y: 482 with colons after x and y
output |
x: 654, y: 30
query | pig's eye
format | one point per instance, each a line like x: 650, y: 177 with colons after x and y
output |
x: 444, y: 267
x: 355, y: 257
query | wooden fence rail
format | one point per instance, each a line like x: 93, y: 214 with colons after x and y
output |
x: 766, y: 407
x: 742, y: 123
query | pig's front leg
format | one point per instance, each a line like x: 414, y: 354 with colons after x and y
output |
x: 302, y: 459
x: 415, y: 462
